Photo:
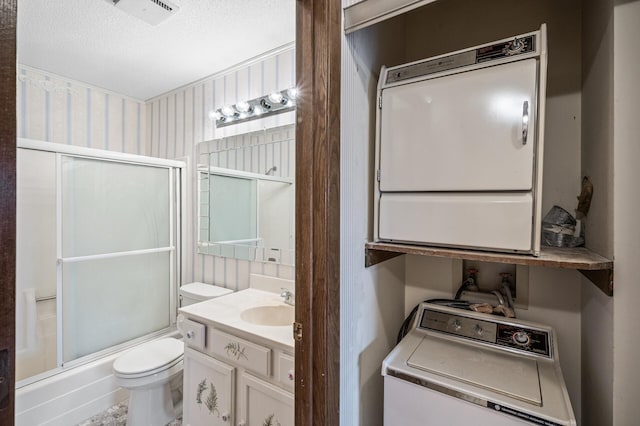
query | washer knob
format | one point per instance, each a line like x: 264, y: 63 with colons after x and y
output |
x: 521, y: 338
x: 457, y: 325
x: 516, y: 46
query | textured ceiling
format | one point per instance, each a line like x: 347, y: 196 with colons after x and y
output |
x: 94, y: 42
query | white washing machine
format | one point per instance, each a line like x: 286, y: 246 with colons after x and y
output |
x: 459, y: 367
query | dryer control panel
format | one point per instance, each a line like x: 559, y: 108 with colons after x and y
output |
x: 500, y: 332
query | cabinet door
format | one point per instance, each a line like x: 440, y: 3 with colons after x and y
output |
x: 461, y: 132
x: 264, y: 404
x: 208, y: 393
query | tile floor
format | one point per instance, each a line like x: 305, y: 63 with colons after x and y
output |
x: 116, y: 416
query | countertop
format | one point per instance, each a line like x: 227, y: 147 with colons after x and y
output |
x: 226, y: 311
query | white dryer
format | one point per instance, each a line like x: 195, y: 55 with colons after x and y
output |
x: 459, y: 148
x: 459, y: 367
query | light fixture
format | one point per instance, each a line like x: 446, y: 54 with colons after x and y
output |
x: 274, y: 103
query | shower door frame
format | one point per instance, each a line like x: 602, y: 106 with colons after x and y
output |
x: 177, y: 183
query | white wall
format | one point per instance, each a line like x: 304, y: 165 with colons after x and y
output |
x: 179, y: 120
x: 626, y: 198
x: 371, y: 300
x: 57, y: 109
x: 597, y: 163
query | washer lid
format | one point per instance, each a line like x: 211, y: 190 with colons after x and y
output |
x: 202, y: 291
x: 149, y: 356
x: 512, y: 375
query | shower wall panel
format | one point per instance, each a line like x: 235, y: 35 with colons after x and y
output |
x: 35, y: 286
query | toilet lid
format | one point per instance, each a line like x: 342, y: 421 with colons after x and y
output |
x: 202, y: 291
x: 149, y: 357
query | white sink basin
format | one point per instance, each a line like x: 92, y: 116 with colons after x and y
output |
x: 269, y: 315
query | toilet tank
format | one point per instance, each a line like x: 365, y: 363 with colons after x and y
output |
x: 198, y: 292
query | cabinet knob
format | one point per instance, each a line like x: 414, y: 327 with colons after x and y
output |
x: 226, y: 417
x: 190, y: 334
x: 290, y: 375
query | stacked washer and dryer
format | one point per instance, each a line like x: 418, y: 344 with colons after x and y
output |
x: 459, y: 147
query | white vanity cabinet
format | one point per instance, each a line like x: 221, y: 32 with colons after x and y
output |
x: 208, y: 390
x: 263, y: 403
x: 236, y: 379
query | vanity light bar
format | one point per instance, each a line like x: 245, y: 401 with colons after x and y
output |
x: 273, y: 103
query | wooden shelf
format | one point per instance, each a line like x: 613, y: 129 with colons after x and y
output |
x: 598, y: 269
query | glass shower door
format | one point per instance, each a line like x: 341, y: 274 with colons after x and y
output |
x: 116, y: 253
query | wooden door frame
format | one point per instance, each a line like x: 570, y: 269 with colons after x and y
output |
x: 318, y: 31
x: 7, y: 205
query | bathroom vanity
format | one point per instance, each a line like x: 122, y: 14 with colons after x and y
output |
x: 238, y: 361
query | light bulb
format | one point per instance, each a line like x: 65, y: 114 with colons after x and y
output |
x: 292, y: 92
x: 228, y: 111
x: 214, y: 115
x: 276, y: 97
x: 243, y: 106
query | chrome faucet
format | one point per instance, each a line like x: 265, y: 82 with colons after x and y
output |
x: 287, y: 296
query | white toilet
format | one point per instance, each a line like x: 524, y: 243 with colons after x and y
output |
x: 153, y: 370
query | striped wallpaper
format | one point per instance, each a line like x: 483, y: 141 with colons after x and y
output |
x: 177, y: 121
x: 56, y: 109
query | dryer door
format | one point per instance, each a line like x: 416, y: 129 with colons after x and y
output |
x: 461, y: 132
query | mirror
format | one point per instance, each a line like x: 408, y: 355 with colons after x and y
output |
x: 247, y: 196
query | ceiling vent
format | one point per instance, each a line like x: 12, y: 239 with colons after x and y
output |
x: 150, y: 11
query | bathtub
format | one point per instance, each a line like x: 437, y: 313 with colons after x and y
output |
x: 71, y: 396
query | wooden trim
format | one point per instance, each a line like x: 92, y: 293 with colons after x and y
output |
x: 603, y: 279
x: 550, y: 257
x: 598, y: 269
x: 318, y: 32
x: 7, y: 207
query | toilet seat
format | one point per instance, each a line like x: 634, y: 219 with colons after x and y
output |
x: 149, y: 358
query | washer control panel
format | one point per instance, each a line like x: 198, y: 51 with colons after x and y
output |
x: 523, y: 338
x: 499, y: 332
